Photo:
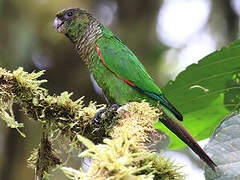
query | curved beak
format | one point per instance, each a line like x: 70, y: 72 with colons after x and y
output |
x: 58, y: 25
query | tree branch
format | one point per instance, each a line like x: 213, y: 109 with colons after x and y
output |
x: 125, y: 135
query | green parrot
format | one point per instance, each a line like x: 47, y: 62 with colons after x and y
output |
x: 118, y: 71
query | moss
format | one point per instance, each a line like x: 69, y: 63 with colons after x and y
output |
x: 124, y: 154
x: 57, y: 112
x: 115, y: 159
x: 139, y: 119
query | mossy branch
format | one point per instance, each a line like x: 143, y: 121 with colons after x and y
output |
x: 124, y: 135
x: 58, y: 112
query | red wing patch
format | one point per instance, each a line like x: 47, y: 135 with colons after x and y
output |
x: 125, y: 80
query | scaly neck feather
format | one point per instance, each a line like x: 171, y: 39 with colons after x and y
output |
x: 85, y: 43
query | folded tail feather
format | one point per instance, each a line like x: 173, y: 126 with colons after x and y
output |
x: 182, y: 133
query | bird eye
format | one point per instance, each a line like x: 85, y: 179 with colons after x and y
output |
x: 69, y: 14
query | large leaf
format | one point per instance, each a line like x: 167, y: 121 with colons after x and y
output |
x: 205, y: 92
x: 224, y: 148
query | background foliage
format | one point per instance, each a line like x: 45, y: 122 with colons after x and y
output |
x: 206, y: 92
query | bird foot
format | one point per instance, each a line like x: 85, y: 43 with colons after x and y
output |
x: 102, y: 122
x: 106, y: 113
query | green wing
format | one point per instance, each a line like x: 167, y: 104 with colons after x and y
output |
x: 121, y: 61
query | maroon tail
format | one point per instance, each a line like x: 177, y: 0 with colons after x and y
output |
x: 182, y: 133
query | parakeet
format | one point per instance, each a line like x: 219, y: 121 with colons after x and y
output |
x: 118, y: 71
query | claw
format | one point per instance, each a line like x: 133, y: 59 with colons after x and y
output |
x: 98, y: 117
x: 115, y: 106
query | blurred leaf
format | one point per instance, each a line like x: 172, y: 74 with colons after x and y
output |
x: 205, y: 92
x: 224, y: 147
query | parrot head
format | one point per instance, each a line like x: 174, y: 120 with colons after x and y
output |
x: 72, y: 22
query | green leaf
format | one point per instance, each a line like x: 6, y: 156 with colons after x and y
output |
x: 205, y: 92
x: 224, y: 150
